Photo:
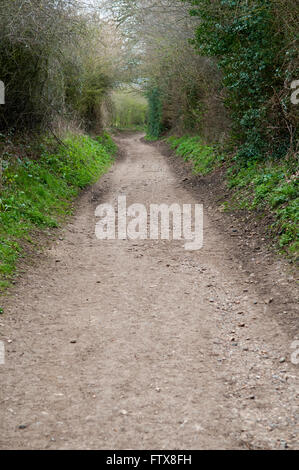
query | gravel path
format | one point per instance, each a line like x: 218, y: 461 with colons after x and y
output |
x: 143, y: 345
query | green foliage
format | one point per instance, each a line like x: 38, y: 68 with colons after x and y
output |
x: 37, y: 193
x: 150, y: 138
x: 270, y: 186
x: 267, y: 186
x: 106, y: 141
x: 253, y: 53
x: 85, y: 98
x: 204, y: 158
x: 154, y: 126
x: 129, y: 110
x: 79, y: 162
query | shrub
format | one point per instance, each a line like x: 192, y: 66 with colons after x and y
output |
x: 53, y: 63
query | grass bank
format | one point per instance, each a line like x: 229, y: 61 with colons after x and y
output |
x: 39, y: 181
x: 268, y: 186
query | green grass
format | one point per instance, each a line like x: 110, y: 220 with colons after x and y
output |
x: 204, y: 158
x: 36, y: 193
x: 268, y: 187
x: 151, y: 138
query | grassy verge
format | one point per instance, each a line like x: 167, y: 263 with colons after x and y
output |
x: 268, y: 187
x: 204, y: 158
x: 36, y: 192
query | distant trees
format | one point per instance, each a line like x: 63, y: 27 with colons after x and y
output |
x: 210, y: 64
x: 158, y: 33
x: 218, y: 66
x: 128, y: 109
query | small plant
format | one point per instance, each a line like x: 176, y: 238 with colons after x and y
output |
x: 108, y: 143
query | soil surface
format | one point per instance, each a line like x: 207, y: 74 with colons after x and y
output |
x: 122, y: 344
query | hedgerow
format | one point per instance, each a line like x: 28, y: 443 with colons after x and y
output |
x: 258, y: 58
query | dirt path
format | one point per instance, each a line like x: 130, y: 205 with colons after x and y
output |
x: 142, y: 345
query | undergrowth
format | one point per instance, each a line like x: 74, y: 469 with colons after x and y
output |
x: 36, y: 193
x: 204, y: 158
x: 268, y: 186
